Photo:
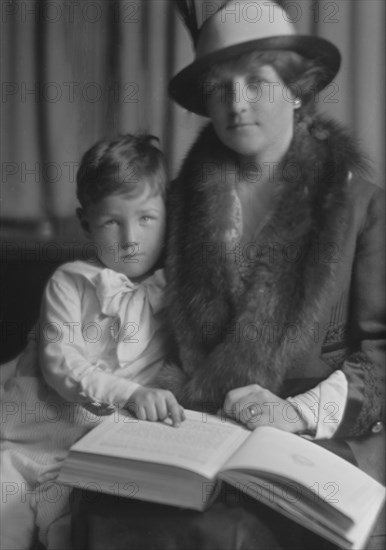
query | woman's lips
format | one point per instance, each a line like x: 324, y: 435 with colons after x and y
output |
x: 241, y: 125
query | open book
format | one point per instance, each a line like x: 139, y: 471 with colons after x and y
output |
x: 185, y: 466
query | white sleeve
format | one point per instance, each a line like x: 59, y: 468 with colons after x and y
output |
x: 62, y: 354
x: 322, y: 407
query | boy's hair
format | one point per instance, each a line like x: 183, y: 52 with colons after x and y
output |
x: 121, y: 166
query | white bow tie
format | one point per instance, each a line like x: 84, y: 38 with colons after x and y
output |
x: 112, y: 288
x: 133, y: 305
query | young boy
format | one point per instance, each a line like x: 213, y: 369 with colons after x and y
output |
x: 100, y: 341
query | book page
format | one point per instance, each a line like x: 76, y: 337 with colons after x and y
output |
x: 284, y: 456
x: 201, y: 444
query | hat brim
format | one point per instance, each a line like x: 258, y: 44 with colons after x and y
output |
x: 186, y: 89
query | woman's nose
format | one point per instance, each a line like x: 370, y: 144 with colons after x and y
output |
x: 236, y: 97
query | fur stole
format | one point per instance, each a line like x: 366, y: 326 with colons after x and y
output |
x: 232, y: 325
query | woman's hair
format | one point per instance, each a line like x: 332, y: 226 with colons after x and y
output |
x: 121, y: 166
x: 300, y: 75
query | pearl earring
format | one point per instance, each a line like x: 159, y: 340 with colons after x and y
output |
x: 297, y: 103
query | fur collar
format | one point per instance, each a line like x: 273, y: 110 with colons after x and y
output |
x: 229, y: 323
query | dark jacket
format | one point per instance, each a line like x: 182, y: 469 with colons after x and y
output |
x: 312, y: 298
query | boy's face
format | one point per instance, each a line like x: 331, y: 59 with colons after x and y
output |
x: 128, y: 231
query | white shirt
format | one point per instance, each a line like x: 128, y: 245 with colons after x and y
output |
x: 101, y: 335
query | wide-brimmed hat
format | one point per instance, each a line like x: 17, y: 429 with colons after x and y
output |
x: 241, y: 27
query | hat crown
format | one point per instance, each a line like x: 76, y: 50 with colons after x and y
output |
x: 241, y: 21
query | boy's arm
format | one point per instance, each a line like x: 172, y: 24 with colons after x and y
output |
x: 62, y: 354
x: 67, y: 369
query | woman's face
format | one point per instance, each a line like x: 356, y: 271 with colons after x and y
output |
x: 252, y: 111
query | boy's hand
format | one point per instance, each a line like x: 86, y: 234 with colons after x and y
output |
x: 155, y: 404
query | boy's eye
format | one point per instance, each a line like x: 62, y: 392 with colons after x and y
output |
x: 110, y: 222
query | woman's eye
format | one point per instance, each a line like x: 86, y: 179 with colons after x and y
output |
x: 146, y: 219
x: 220, y: 88
x: 227, y: 88
x: 256, y: 80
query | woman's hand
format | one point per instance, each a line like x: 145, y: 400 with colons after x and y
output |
x: 155, y: 404
x: 256, y: 406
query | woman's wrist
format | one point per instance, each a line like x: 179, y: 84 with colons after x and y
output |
x: 305, y: 421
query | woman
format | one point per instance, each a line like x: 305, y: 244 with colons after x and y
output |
x: 275, y: 256
x: 274, y: 264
